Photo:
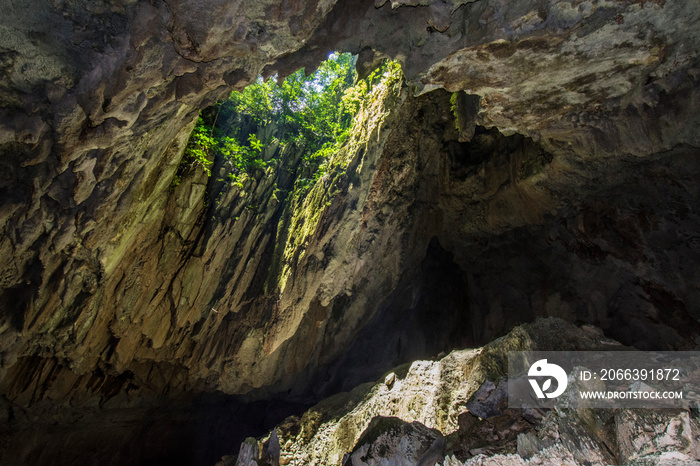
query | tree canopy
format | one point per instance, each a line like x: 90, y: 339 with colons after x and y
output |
x: 252, y: 127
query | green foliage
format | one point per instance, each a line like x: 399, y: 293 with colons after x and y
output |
x: 200, y: 146
x: 314, y: 112
x: 356, y: 95
x: 304, y: 109
x: 255, y: 144
x: 245, y: 158
x: 453, y: 108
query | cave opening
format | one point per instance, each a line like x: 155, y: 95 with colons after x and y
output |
x: 306, y: 116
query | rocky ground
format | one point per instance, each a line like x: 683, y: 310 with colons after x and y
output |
x: 453, y: 411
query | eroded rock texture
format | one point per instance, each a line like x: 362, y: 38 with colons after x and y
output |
x: 563, y: 184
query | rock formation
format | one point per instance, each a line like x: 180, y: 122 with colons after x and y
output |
x: 560, y: 180
x: 453, y: 412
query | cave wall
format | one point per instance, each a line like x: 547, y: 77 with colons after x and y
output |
x: 98, y: 100
x: 567, y: 188
x: 498, y: 239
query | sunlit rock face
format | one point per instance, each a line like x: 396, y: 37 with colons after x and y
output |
x: 566, y: 186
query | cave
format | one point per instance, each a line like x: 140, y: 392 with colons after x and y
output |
x: 526, y: 178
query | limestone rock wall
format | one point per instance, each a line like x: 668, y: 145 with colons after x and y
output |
x: 503, y: 240
x: 97, y: 101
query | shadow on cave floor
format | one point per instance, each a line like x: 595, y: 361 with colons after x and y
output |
x: 196, y: 432
x: 427, y: 314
